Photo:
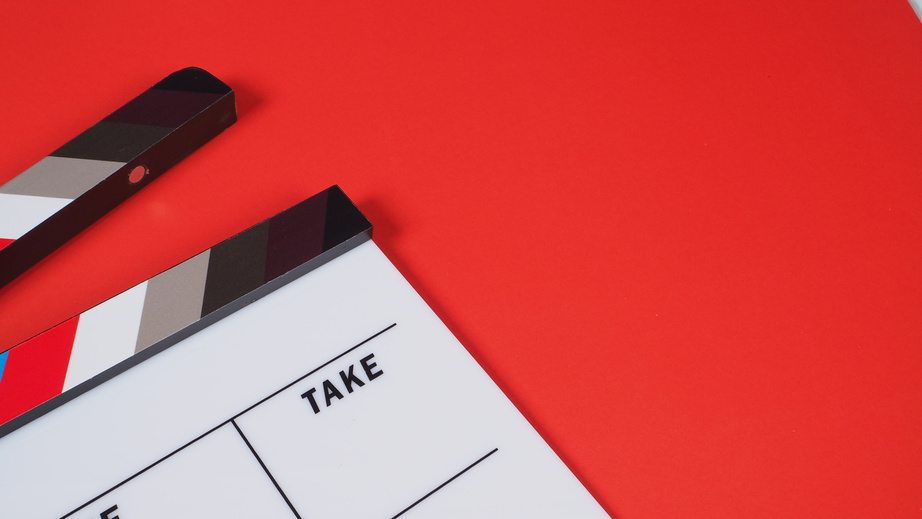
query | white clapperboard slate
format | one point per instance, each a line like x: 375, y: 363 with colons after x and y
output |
x: 289, y: 371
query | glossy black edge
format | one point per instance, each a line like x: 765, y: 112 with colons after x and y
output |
x: 27, y: 251
x: 193, y: 79
x: 326, y: 256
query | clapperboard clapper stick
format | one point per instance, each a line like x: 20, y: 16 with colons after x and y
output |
x: 77, y: 184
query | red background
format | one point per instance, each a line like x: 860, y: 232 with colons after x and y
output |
x: 684, y: 237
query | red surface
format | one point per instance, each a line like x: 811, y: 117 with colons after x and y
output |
x: 4, y: 241
x: 35, y: 370
x: 683, y: 236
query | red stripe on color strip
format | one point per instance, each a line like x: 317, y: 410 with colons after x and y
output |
x: 35, y: 370
x: 4, y: 242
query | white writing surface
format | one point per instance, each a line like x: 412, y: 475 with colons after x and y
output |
x: 339, y: 395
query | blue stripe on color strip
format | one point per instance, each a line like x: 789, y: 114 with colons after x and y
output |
x: 3, y: 362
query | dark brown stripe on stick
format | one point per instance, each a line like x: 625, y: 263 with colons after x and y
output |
x: 113, y: 141
x: 167, y: 108
x: 237, y: 266
x: 296, y: 235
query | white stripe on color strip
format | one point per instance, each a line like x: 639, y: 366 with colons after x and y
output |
x: 106, y: 335
x: 19, y: 214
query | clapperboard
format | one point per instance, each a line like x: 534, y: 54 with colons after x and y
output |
x: 288, y: 371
